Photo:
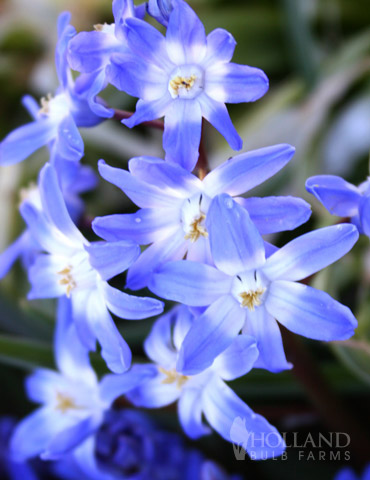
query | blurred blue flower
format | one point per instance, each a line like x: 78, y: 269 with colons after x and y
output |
x: 184, y: 76
x: 55, y: 123
x: 174, y: 205
x: 349, y: 474
x: 74, y: 267
x: 73, y: 401
x: 204, y: 393
x: 343, y: 199
x: 90, y: 52
x: 248, y: 292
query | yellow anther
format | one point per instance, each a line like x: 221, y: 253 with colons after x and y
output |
x: 182, y: 82
x: 45, y: 101
x: 67, y: 280
x: 26, y: 192
x: 251, y: 299
x: 196, y: 229
x: 172, y: 376
x: 65, y: 403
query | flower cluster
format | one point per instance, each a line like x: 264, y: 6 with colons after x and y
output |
x: 196, y: 240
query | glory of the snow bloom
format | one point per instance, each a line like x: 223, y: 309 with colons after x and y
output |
x: 343, y: 199
x: 90, y: 52
x: 73, y: 267
x: 204, y: 394
x: 174, y: 205
x: 184, y: 76
x: 246, y: 291
x: 73, y: 401
x: 74, y: 179
x: 56, y: 122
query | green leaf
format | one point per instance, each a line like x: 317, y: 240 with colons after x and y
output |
x: 25, y: 353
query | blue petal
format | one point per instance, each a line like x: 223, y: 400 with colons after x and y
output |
x: 32, y: 435
x: 190, y: 413
x: 71, y: 356
x: 160, y: 10
x: 31, y: 105
x: 111, y: 259
x: 24, y: 141
x: 115, y: 350
x: 200, y: 251
x: 165, y: 175
x: 217, y: 115
x: 236, y: 244
x: 190, y: 283
x: 247, y: 170
x: 129, y: 306
x: 184, y: 320
x: 146, y: 42
x: 65, y: 33
x: 232, y: 83
x: 145, y: 226
x: 54, y: 204
x: 220, y: 47
x: 311, y: 252
x: 276, y: 214
x: 185, y: 38
x: 154, y: 393
x: 136, y: 77
x: 264, y: 328
x: 113, y: 386
x: 13, y: 252
x: 90, y: 51
x: 238, y: 359
x: 237, y: 423
x: 365, y: 215
x: 182, y: 132
x: 141, y: 193
x: 42, y: 385
x: 172, y: 247
x: 309, y: 312
x: 70, y: 438
x: 81, y: 319
x: 89, y: 85
x: 338, y: 196
x: 149, y: 110
x: 211, y: 334
x: 69, y: 141
x: 158, y: 345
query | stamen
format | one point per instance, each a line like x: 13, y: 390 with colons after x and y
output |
x: 67, y: 280
x: 251, y: 299
x: 172, y: 376
x: 182, y: 82
x: 45, y: 107
x: 99, y: 27
x: 26, y: 192
x: 196, y: 229
x: 65, y: 403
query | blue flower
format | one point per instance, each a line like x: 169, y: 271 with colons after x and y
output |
x: 247, y: 292
x: 55, y: 123
x: 73, y: 401
x: 129, y: 446
x: 343, y: 199
x: 205, y: 393
x: 74, y: 179
x: 91, y: 52
x: 72, y: 266
x: 184, y: 77
x: 174, y: 205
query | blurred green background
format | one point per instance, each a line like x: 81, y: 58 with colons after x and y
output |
x: 316, y: 54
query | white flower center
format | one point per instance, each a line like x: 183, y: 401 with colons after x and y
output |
x: 248, y: 289
x: 55, y: 107
x: 186, y: 81
x: 193, y: 215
